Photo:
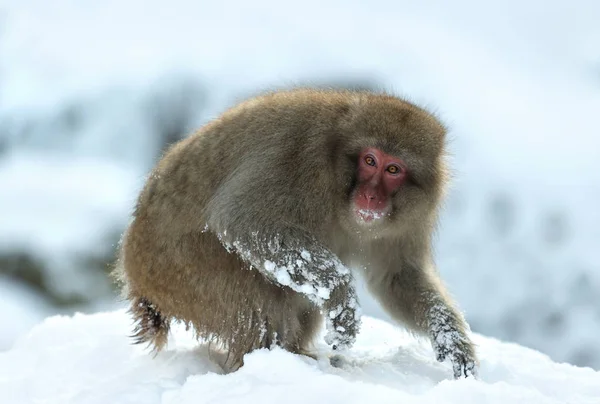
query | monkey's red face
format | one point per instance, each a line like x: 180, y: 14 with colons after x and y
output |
x: 379, y: 177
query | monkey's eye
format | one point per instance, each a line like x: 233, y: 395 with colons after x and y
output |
x: 394, y: 169
x: 370, y: 160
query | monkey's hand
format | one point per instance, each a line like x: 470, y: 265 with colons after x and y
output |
x: 449, y: 340
x: 342, y: 316
x: 451, y: 344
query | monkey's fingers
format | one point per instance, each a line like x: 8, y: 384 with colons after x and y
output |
x: 461, y: 355
x: 339, y: 338
x: 342, y: 327
x: 340, y: 341
x: 464, y: 366
x: 471, y: 368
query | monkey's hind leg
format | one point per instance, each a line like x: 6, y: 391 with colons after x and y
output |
x: 310, y: 321
x: 291, y: 324
x: 151, y: 326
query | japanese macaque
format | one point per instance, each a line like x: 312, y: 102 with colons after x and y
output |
x: 250, y: 229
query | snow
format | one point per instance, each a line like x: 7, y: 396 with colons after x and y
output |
x: 21, y: 309
x: 87, y: 92
x: 89, y: 359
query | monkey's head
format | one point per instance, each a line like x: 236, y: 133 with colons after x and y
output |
x: 393, y: 166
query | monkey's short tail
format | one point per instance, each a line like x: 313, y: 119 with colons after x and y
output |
x: 151, y: 327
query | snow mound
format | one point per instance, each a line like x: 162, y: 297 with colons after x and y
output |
x: 89, y: 359
x: 21, y: 308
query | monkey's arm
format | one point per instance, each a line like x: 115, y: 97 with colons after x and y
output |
x: 291, y: 257
x: 415, y: 296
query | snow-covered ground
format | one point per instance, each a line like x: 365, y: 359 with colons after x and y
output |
x: 23, y: 309
x: 88, y: 359
x: 91, y: 91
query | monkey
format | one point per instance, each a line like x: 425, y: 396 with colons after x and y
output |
x: 251, y: 230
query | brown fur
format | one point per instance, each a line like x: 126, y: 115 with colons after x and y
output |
x: 267, y: 179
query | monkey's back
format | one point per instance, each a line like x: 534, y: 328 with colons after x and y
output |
x: 258, y: 146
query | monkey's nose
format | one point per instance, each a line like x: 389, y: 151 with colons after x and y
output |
x: 370, y: 196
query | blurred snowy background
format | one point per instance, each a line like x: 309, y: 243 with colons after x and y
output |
x: 91, y: 92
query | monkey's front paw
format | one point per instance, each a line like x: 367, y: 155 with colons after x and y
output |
x: 463, y: 365
x: 459, y: 349
x: 339, y: 341
x: 342, y: 327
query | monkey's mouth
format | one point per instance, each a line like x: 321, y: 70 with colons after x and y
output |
x: 369, y: 215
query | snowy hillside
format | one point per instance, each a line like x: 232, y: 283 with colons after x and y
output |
x: 91, y: 92
x: 87, y: 359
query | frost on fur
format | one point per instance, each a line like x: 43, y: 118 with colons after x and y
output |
x: 311, y: 270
